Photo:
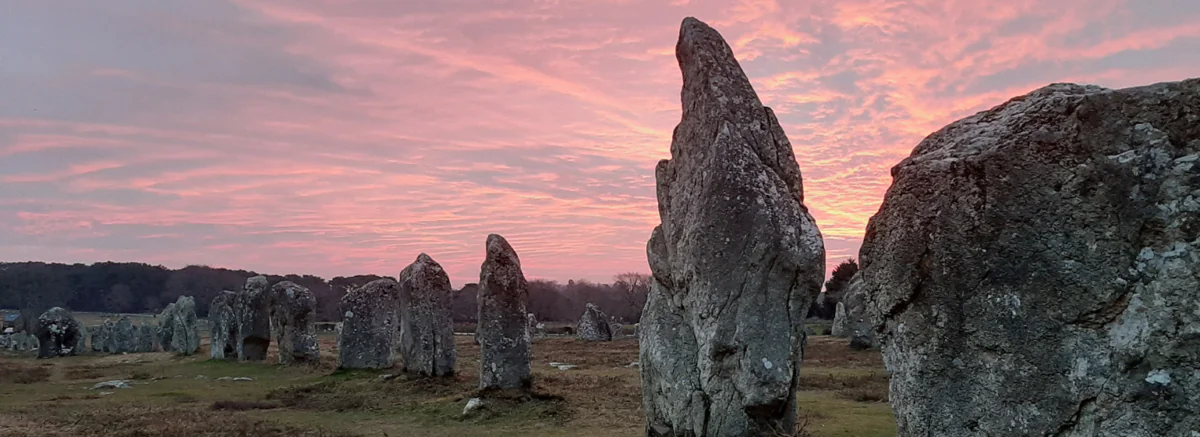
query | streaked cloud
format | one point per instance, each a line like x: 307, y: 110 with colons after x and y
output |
x: 345, y: 137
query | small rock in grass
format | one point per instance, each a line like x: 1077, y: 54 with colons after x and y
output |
x: 117, y: 383
x: 472, y: 405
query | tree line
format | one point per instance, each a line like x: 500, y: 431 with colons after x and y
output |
x: 112, y: 287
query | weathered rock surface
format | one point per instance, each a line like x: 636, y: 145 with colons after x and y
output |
x: 147, y: 338
x: 841, y: 323
x: 860, y: 325
x: 1035, y: 268
x: 501, y: 333
x: 166, y: 326
x: 96, y: 338
x: 531, y: 324
x: 124, y: 336
x: 254, y: 319
x: 593, y: 325
x: 58, y: 334
x: 426, y: 326
x: 180, y: 329
x: 81, y: 345
x: 293, y: 319
x: 369, y: 326
x: 223, y: 325
x: 108, y: 335
x: 28, y: 342
x: 736, y: 261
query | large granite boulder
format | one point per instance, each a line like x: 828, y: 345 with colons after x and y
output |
x: 736, y: 262
x: 58, y: 333
x: 369, y: 326
x: 593, y: 325
x: 426, y: 326
x: 124, y: 336
x: 254, y: 320
x: 223, y: 325
x: 1035, y: 268
x: 293, y: 319
x: 501, y: 333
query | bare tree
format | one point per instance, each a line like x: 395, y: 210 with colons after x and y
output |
x: 634, y: 288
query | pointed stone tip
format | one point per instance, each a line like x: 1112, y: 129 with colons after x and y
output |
x: 497, y: 244
x: 424, y: 258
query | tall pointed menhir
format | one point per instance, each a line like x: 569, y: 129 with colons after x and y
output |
x: 501, y: 333
x: 736, y: 261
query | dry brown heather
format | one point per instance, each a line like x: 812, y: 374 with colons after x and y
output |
x: 843, y: 394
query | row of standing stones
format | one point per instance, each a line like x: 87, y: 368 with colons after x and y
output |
x: 1033, y: 269
x: 60, y: 334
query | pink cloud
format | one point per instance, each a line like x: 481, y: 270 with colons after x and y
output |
x: 345, y: 137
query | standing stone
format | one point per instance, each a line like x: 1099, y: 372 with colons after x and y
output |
x: 166, y: 323
x: 108, y: 335
x: 426, y: 327
x: 58, y: 333
x: 183, y: 326
x: 593, y: 325
x: 81, y: 345
x: 501, y: 334
x: 124, y: 336
x: 223, y: 323
x: 534, y: 328
x: 254, y: 320
x: 1035, y: 268
x: 858, y: 321
x: 617, y: 328
x: 736, y: 262
x: 369, y: 326
x: 96, y: 337
x: 841, y: 323
x: 293, y: 319
x: 147, y: 338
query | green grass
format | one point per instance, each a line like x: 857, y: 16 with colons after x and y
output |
x: 600, y: 398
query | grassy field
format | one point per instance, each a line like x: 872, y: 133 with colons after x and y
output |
x: 843, y: 393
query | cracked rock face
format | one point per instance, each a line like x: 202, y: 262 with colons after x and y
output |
x: 502, y: 336
x: 223, y: 323
x: 1035, y: 268
x: 254, y: 319
x: 593, y: 325
x: 369, y: 326
x: 59, y: 334
x: 736, y: 261
x: 293, y: 320
x: 426, y: 327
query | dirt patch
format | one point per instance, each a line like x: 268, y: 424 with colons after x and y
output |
x: 14, y: 373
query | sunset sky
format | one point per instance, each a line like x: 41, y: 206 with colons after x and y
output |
x: 338, y: 138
